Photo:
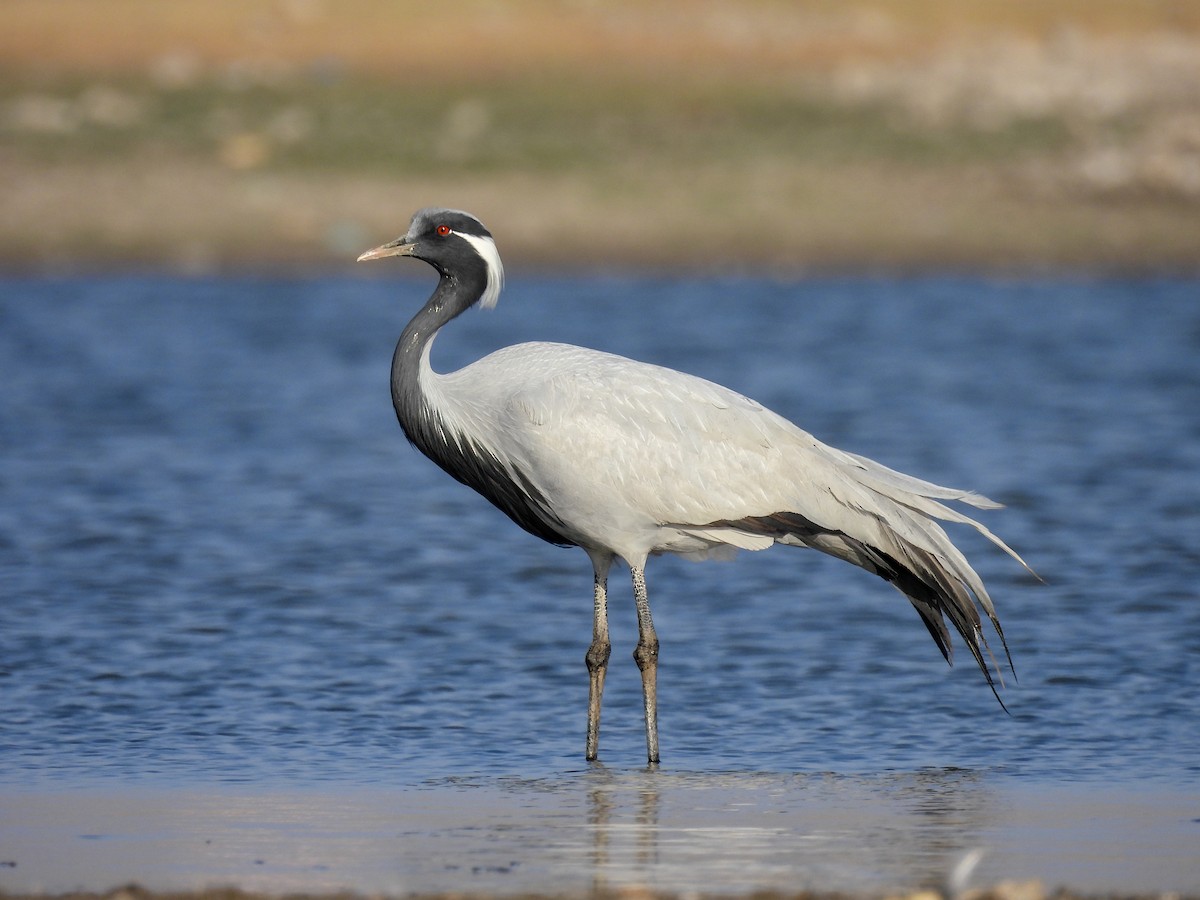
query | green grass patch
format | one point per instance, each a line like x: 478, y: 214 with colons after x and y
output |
x: 543, y: 125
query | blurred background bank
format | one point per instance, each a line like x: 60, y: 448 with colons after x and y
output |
x: 795, y: 136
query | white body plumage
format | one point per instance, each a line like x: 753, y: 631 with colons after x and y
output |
x: 640, y: 459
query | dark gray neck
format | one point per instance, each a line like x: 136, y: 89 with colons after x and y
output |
x: 460, y: 455
x: 451, y: 297
x: 414, y: 341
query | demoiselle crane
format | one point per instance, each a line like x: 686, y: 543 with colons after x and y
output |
x: 628, y: 460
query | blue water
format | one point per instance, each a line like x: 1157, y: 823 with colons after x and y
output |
x: 220, y: 562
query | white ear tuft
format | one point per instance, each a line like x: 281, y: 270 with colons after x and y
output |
x: 486, y: 248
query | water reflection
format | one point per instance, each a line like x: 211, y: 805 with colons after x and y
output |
x: 681, y: 831
x: 603, y: 829
x: 605, y: 814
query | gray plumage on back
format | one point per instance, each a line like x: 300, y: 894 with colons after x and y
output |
x: 629, y: 460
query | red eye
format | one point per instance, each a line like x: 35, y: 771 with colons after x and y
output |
x: 443, y: 230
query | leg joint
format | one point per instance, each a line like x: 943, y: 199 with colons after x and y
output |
x: 597, y: 655
x: 646, y: 654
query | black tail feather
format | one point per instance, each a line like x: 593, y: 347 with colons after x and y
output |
x: 932, y: 589
x: 933, y: 597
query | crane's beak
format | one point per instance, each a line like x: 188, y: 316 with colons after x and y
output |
x: 398, y: 247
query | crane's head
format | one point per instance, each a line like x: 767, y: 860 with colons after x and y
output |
x: 456, y: 244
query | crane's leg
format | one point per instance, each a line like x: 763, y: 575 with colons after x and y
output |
x: 646, y: 656
x: 598, y: 652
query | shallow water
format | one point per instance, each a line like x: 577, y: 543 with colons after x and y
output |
x: 224, y: 571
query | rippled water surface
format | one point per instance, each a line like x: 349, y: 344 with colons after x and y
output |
x: 222, y: 565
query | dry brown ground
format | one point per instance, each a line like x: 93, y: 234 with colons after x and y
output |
x: 789, y: 218
x: 474, y: 37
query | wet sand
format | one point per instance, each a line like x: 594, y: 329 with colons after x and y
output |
x: 599, y: 831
